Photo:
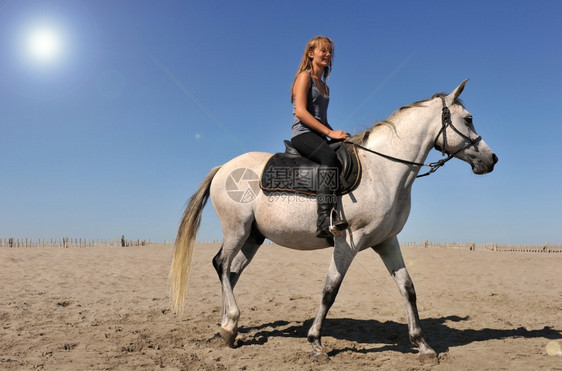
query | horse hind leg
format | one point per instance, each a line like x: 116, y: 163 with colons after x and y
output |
x: 230, y: 310
x: 245, y: 255
x: 229, y: 263
x: 392, y: 257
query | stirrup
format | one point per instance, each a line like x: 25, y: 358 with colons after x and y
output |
x: 335, y: 230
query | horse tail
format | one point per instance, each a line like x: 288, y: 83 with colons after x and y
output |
x: 185, y: 241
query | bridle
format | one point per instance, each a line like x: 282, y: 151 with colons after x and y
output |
x: 445, y: 122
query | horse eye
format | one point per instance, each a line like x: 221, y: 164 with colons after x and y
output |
x: 468, y: 120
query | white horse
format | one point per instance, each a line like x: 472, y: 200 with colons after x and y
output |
x: 376, y: 210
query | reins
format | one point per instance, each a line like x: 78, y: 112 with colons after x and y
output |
x: 433, y: 165
x: 445, y: 121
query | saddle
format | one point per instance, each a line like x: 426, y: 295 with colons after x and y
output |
x: 293, y: 173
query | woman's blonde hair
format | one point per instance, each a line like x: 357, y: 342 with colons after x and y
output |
x: 306, y: 61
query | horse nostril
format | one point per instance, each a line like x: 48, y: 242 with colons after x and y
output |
x: 494, y: 158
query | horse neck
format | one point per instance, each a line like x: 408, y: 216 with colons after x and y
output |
x: 410, y: 136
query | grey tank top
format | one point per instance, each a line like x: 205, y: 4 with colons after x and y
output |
x: 317, y: 106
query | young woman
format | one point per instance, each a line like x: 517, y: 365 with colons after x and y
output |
x: 310, y: 96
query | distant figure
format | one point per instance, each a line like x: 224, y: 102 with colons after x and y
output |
x: 123, y: 241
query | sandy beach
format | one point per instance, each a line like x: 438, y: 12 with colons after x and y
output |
x: 107, y: 308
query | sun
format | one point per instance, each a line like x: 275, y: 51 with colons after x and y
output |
x: 44, y: 44
x: 49, y: 49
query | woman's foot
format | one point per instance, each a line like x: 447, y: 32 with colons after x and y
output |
x: 324, y: 229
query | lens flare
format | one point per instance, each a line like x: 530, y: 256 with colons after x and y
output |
x: 553, y: 349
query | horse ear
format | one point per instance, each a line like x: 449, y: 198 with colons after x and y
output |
x: 457, y: 92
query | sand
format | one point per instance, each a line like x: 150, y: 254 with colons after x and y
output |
x: 108, y: 309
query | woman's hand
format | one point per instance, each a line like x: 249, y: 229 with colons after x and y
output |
x: 338, y: 134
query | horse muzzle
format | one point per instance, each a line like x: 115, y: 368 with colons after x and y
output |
x: 484, y: 167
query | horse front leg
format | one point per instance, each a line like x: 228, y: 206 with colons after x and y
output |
x: 392, y: 257
x: 341, y: 260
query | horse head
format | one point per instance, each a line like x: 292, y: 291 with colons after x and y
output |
x: 457, y: 136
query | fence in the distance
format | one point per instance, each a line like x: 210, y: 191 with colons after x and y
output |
x: 545, y: 248
x: 67, y: 242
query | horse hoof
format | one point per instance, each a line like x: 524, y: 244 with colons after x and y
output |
x: 429, y: 358
x: 229, y: 337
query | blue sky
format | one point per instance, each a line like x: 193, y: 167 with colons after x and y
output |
x: 113, y: 131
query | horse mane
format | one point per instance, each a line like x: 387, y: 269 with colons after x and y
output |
x: 362, y: 137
